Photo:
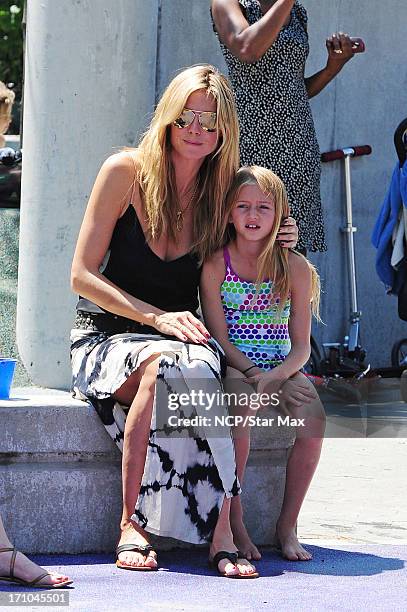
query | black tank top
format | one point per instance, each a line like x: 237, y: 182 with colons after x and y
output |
x: 132, y: 266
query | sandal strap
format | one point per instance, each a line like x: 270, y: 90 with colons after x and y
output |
x: 223, y: 554
x: 12, y: 564
x: 40, y: 577
x: 12, y: 560
x: 241, y: 555
x: 143, y: 549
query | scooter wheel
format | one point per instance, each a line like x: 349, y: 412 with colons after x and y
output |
x: 399, y: 354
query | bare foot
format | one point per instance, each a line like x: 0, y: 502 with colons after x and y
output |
x: 134, y: 534
x: 242, y: 540
x: 224, y: 541
x: 24, y: 569
x: 291, y: 549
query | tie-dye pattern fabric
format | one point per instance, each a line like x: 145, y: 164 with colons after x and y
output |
x: 186, y: 476
x: 257, y: 328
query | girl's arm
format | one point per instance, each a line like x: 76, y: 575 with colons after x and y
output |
x: 248, y: 42
x: 213, y: 274
x: 340, y: 51
x: 110, y: 195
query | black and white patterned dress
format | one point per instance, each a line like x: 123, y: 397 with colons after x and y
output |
x: 276, y: 124
x: 189, y: 469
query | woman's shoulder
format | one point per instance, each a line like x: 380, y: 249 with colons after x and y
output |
x: 126, y: 161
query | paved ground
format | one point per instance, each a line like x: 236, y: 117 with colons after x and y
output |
x: 340, y: 578
x: 355, y: 523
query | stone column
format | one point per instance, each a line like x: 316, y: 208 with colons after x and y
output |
x: 90, y: 76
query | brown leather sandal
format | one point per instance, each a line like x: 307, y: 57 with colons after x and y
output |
x: 32, y: 583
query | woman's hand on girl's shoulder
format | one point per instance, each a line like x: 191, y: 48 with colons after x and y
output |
x: 288, y: 233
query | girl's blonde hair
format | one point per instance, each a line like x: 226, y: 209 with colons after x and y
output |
x: 6, y: 106
x: 156, y: 173
x: 273, y: 261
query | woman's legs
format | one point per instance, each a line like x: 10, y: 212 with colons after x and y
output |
x: 138, y: 393
x: 301, y: 467
x: 241, y: 439
x: 23, y: 568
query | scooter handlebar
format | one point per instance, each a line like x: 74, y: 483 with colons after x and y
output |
x: 341, y: 153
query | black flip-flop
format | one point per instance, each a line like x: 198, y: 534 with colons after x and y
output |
x: 232, y: 557
x: 241, y: 555
x: 143, y: 549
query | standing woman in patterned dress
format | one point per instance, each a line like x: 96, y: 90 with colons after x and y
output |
x: 265, y: 45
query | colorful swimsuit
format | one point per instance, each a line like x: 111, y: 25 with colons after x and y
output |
x: 257, y: 329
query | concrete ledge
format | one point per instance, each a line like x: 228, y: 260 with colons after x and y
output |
x: 60, y: 481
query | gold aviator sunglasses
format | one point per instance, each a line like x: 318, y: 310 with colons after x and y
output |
x: 206, y: 119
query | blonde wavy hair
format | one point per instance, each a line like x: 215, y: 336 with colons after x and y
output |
x: 273, y: 261
x: 156, y: 173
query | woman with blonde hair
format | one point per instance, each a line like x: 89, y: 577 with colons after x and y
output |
x: 137, y: 338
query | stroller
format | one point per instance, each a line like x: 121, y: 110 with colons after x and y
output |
x: 10, y: 177
x: 338, y: 366
x: 390, y: 239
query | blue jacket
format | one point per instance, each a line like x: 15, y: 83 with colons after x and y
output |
x: 383, y: 229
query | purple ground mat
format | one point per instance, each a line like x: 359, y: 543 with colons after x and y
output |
x: 342, y: 577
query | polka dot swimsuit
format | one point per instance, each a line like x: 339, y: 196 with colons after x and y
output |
x: 257, y: 329
x: 276, y: 125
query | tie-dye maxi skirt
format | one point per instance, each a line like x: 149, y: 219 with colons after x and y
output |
x: 188, y: 470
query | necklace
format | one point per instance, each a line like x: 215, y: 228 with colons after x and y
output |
x: 179, y: 222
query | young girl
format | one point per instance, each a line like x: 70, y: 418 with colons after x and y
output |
x: 257, y: 301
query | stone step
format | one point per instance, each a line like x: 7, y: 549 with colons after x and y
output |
x: 60, y: 482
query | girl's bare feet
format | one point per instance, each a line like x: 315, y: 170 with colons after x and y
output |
x: 291, y: 549
x: 134, y: 534
x: 27, y: 570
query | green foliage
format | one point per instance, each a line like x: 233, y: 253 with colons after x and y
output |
x: 11, y: 46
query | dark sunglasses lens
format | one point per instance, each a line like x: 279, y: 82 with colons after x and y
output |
x: 185, y: 119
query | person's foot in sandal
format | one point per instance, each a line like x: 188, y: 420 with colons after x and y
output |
x: 133, y: 534
x: 245, y: 566
x: 17, y: 568
x: 227, y: 564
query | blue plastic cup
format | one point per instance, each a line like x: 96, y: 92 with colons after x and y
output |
x: 7, y: 367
